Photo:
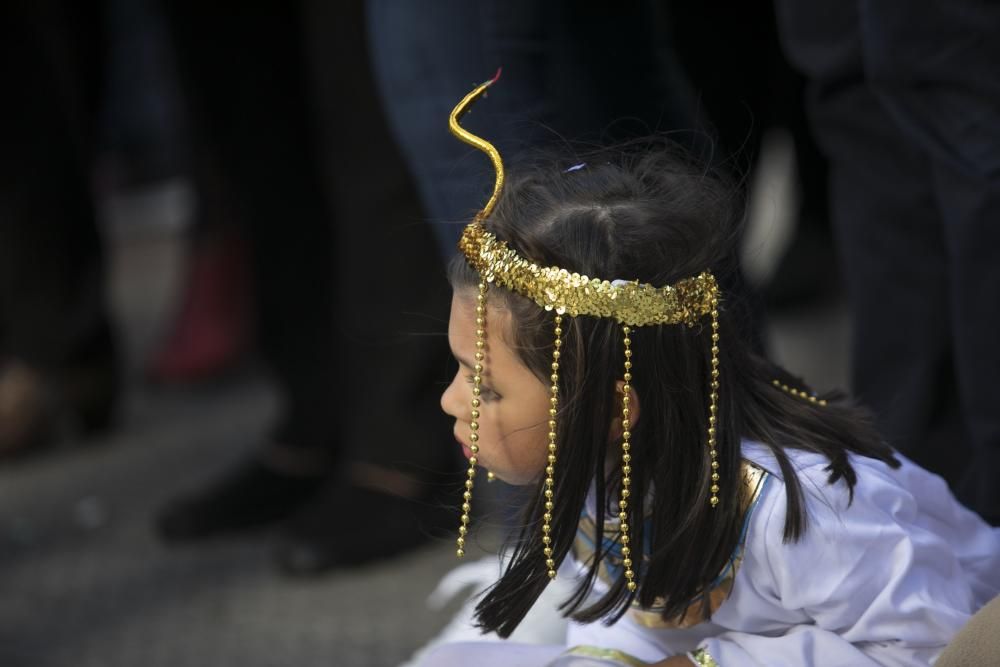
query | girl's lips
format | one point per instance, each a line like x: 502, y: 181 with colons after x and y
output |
x: 466, y: 451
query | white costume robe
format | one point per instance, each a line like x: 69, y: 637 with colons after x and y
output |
x: 885, y: 580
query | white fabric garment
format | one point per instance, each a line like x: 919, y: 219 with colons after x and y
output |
x: 886, y: 580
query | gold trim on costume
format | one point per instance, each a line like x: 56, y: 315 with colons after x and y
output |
x: 632, y: 303
x: 619, y: 657
x: 702, y: 658
x: 652, y: 617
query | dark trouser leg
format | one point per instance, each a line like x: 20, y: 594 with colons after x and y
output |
x: 935, y: 72
x: 53, y: 311
x: 246, y: 74
x: 905, y: 107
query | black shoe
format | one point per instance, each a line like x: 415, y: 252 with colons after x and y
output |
x: 253, y: 496
x: 351, y: 525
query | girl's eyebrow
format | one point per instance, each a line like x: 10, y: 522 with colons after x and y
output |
x: 462, y: 360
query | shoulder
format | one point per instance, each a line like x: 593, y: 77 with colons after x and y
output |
x: 854, y: 548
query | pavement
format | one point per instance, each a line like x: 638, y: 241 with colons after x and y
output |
x: 84, y: 582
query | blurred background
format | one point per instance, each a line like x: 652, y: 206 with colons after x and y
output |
x: 223, y: 233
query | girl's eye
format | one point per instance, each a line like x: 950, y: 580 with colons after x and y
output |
x: 485, y: 393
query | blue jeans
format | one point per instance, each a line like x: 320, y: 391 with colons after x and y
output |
x: 569, y: 72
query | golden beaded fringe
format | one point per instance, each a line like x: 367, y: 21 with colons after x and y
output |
x: 477, y: 380
x: 550, y: 565
x: 626, y: 464
x: 713, y: 406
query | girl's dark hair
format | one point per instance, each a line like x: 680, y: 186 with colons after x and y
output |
x: 648, y: 212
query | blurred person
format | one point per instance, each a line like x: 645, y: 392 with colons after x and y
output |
x: 326, y: 209
x: 903, y: 100
x: 748, y: 88
x: 58, y: 355
x: 572, y: 71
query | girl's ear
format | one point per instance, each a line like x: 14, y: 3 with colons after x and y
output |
x: 633, y: 406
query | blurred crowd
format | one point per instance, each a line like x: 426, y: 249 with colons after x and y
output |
x: 330, y: 195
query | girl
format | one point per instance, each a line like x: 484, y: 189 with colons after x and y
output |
x: 706, y: 506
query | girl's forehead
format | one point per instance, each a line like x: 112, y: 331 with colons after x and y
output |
x: 462, y: 328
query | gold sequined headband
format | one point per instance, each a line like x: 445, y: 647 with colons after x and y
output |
x: 630, y: 303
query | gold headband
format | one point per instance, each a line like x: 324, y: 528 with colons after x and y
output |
x: 555, y: 289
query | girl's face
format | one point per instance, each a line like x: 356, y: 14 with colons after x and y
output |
x: 514, y: 403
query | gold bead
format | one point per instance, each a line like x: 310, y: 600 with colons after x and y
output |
x: 625, y: 552
x: 475, y: 402
x: 626, y: 457
x: 627, y: 341
x: 548, y: 505
x: 626, y: 493
x: 460, y: 541
x: 627, y: 469
x: 559, y: 331
x: 555, y: 365
x: 556, y: 354
x: 546, y: 540
x: 626, y: 435
x: 715, y: 465
x: 460, y: 553
x: 715, y: 488
x: 631, y: 586
x: 549, y: 563
x: 468, y: 483
x: 466, y: 508
x: 628, y: 365
x: 474, y: 437
x: 624, y: 528
x: 714, y: 501
x: 467, y: 496
x: 547, y: 551
x: 623, y: 504
x: 628, y: 377
x: 715, y: 477
x: 623, y: 516
x: 552, y: 574
x: 628, y: 353
x: 473, y: 461
x: 552, y: 458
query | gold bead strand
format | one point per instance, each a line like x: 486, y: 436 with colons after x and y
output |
x: 550, y: 564
x: 626, y: 465
x: 798, y: 393
x: 713, y: 405
x: 477, y: 380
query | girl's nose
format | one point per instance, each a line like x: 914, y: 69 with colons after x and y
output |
x: 451, y: 398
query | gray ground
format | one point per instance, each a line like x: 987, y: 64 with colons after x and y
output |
x: 84, y: 582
